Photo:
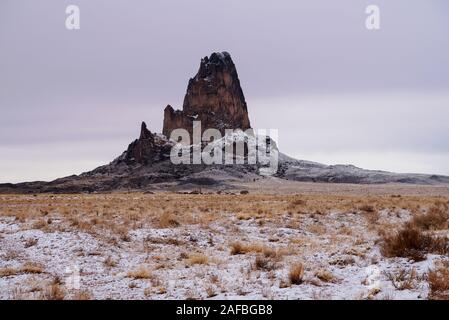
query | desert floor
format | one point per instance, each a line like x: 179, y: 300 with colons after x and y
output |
x: 278, y: 241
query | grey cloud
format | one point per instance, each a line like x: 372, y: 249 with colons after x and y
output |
x: 130, y: 59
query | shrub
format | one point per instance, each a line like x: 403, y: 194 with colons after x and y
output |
x: 436, y: 218
x: 403, y: 279
x: 438, y: 279
x: 296, y: 273
x: 140, y: 273
x: 411, y: 242
x: 168, y: 220
x: 240, y: 248
x: 54, y: 292
x: 264, y: 263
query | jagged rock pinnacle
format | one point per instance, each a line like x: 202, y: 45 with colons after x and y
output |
x: 213, y: 96
x: 144, y: 132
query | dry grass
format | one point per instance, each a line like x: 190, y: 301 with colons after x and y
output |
x: 141, y: 273
x: 210, y: 291
x: 197, y: 258
x: 31, y: 267
x: 367, y: 208
x: 266, y: 251
x: 282, y: 218
x: 30, y: 243
x: 53, y: 292
x: 411, y: 242
x: 436, y: 218
x: 403, y: 279
x: 438, y: 279
x: 7, y: 272
x: 165, y: 241
x: 264, y: 263
x: 325, y: 276
x: 168, y: 220
x: 95, y: 212
x: 117, y: 214
x: 317, y: 229
x: 110, y: 262
x: 82, y: 295
x: 241, y: 248
x: 28, y: 267
x: 238, y: 248
x: 296, y: 273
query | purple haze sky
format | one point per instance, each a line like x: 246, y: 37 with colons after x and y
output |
x: 337, y: 92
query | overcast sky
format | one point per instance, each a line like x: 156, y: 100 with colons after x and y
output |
x: 337, y: 92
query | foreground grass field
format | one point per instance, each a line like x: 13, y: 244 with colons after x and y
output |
x: 228, y: 245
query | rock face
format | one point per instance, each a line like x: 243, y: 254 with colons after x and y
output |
x: 141, y: 150
x: 214, y: 97
x: 148, y: 149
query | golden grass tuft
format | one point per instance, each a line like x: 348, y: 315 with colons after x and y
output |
x: 197, y: 258
x: 264, y: 263
x: 140, y: 273
x: 7, y: 272
x: 242, y: 248
x: 237, y: 248
x: 54, y: 292
x: 31, y: 267
x: 296, y: 273
x: 168, y: 220
x: 28, y: 267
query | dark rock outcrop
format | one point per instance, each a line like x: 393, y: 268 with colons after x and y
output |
x: 148, y: 149
x: 174, y: 119
x: 214, y: 97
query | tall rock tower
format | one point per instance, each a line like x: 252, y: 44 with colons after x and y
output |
x: 214, y: 97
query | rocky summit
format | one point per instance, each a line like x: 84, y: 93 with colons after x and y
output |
x: 148, y: 149
x: 214, y: 97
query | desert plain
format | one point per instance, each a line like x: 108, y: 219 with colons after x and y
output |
x: 262, y: 240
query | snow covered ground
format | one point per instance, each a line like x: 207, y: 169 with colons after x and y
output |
x: 195, y: 254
